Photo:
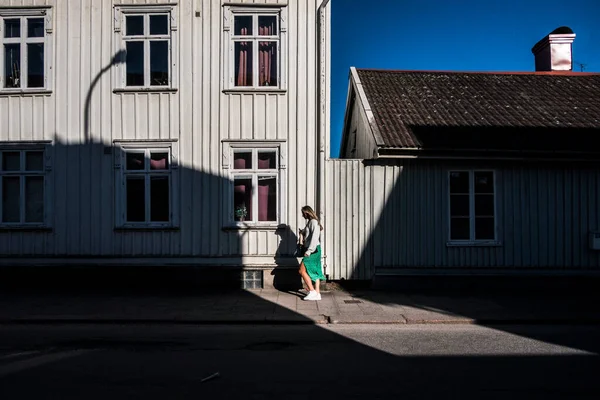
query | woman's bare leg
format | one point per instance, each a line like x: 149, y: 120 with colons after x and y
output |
x: 305, y: 277
x: 318, y: 286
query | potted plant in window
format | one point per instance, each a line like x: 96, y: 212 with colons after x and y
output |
x: 241, y: 212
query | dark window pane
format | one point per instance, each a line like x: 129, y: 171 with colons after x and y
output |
x: 159, y: 161
x: 159, y: 199
x: 12, y: 28
x: 267, y: 25
x: 460, y: 229
x: 35, y: 27
x: 484, y: 182
x: 135, y: 161
x: 12, y: 65
x: 159, y: 24
x: 11, y: 161
x: 134, y: 25
x: 242, y: 160
x: 34, y: 161
x: 159, y: 63
x: 242, y: 199
x: 35, y: 65
x: 243, y: 63
x: 243, y: 26
x: 34, y: 199
x: 267, y: 198
x: 484, y: 205
x: 11, y: 199
x: 267, y: 63
x: 135, y: 63
x: 484, y: 229
x: 459, y: 205
x: 136, y: 199
x: 459, y: 182
x: 267, y: 160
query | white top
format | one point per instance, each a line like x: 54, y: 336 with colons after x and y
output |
x: 312, y: 236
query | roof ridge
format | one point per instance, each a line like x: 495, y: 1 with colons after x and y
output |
x: 552, y: 73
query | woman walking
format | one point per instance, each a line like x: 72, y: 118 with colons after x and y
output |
x: 310, y: 268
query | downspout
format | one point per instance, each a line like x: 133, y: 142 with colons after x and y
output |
x: 322, y: 90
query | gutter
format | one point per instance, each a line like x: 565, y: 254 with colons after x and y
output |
x: 323, y: 39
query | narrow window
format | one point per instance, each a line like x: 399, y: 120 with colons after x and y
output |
x: 23, y: 187
x: 256, y: 46
x: 472, y: 206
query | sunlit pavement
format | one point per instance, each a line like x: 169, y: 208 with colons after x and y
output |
x: 272, y: 306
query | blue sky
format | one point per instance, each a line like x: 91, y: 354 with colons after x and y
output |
x: 453, y: 35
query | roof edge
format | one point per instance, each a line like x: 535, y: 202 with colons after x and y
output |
x: 399, y: 71
x: 362, y: 97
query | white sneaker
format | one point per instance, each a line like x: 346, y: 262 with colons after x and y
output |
x: 312, y: 295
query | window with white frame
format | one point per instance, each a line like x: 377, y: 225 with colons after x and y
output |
x: 148, y: 37
x: 256, y: 180
x: 25, y: 57
x: 23, y: 187
x: 146, y: 195
x: 472, y: 206
x: 256, y: 42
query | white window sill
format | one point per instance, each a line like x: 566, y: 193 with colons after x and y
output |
x: 253, y: 226
x: 264, y: 89
x: 157, y: 89
x: 146, y: 228
x: 25, y: 92
x: 474, y: 243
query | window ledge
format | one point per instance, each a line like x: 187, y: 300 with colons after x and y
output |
x: 25, y: 228
x: 146, y: 90
x: 469, y: 243
x: 146, y: 229
x: 255, y: 91
x: 25, y: 92
x: 253, y: 227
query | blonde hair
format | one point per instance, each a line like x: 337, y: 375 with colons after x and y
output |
x: 311, y: 214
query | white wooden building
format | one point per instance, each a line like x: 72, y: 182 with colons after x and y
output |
x: 161, y: 132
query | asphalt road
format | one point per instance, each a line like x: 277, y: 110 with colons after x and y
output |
x: 299, y: 362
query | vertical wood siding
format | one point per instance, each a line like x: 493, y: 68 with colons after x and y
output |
x: 544, y: 214
x: 199, y: 116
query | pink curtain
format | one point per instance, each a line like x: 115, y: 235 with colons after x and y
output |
x: 239, y: 163
x: 242, y: 79
x: 263, y: 202
x: 266, y: 55
x: 242, y: 195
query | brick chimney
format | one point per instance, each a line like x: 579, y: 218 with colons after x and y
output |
x: 555, y: 51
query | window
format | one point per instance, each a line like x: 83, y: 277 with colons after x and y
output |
x: 256, y: 40
x: 256, y: 181
x: 25, y: 56
x: 146, y: 194
x: 22, y: 191
x: 148, y: 37
x: 472, y: 206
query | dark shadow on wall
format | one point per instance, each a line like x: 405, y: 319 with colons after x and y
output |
x: 285, y: 275
x: 410, y: 237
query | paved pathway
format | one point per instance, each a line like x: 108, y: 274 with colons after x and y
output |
x: 271, y: 306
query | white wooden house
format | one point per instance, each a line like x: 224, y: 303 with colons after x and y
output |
x: 466, y: 173
x: 152, y: 132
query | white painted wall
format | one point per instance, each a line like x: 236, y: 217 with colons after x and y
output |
x: 199, y: 115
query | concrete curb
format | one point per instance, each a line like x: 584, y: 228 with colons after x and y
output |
x: 301, y: 320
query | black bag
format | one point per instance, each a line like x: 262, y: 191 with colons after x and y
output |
x: 300, y: 250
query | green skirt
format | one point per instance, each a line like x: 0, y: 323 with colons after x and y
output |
x: 313, y: 265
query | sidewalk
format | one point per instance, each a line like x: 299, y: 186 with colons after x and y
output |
x: 276, y: 307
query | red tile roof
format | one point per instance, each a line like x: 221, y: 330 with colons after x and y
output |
x: 436, y: 109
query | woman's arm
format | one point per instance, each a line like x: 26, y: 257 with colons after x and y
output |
x: 314, y: 238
